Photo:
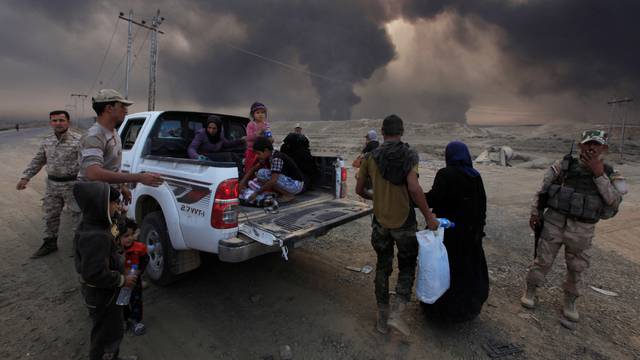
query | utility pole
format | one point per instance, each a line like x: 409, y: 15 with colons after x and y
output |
x: 157, y: 20
x: 129, y: 44
x: 620, y: 115
x: 153, y: 60
x: 75, y: 97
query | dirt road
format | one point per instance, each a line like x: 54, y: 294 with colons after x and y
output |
x: 312, y: 303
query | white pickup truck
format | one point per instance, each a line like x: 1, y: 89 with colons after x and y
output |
x: 197, y: 210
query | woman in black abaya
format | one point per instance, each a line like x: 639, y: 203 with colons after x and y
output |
x: 458, y: 195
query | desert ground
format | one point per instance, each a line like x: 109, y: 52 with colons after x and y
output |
x: 312, y: 303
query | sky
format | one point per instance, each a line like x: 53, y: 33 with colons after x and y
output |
x: 481, y: 62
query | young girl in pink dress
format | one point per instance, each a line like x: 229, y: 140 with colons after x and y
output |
x: 258, y: 126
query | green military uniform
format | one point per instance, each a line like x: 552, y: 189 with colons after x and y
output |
x: 60, y: 157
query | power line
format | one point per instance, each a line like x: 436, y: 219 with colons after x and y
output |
x: 153, y: 59
x: 135, y: 56
x: 285, y: 65
x: 104, y: 57
x: 620, y: 115
x: 83, y: 97
x: 122, y: 59
x: 157, y: 20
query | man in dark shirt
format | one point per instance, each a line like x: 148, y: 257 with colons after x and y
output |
x: 283, y: 177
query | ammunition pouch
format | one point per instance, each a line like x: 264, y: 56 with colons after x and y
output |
x: 578, y: 206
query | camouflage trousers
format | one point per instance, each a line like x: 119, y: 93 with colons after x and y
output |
x: 57, y: 195
x: 383, y: 241
x: 576, y: 237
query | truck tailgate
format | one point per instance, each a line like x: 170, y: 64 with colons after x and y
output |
x: 288, y: 226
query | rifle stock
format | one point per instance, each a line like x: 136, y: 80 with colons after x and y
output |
x: 536, y: 232
x: 542, y: 204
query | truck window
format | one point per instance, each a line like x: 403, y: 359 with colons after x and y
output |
x: 170, y: 129
x: 235, y: 130
x: 195, y: 125
x: 130, y: 133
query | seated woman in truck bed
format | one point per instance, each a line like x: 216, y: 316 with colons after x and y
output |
x: 209, y: 143
x: 297, y: 147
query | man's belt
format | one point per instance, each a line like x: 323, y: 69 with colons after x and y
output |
x: 62, y: 178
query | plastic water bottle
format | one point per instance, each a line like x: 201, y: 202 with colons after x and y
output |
x: 125, y: 292
x: 267, y: 133
x: 446, y: 223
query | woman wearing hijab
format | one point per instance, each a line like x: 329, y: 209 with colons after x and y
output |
x: 458, y: 195
x: 209, y: 140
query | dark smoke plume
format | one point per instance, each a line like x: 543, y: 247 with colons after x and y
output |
x: 583, y: 45
x: 334, y: 39
x: 579, y: 49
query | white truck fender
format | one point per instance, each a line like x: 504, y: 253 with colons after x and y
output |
x: 164, y: 197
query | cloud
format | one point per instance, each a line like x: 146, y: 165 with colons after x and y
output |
x: 436, y: 60
x: 581, y: 45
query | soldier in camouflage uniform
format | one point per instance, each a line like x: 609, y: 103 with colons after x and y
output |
x: 59, y: 153
x: 578, y: 193
x: 392, y: 169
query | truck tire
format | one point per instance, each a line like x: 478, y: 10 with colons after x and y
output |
x: 153, y: 232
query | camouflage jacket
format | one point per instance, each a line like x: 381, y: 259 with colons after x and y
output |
x: 59, y: 155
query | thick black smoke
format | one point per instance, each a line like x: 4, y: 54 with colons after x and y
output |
x: 582, y: 45
x: 333, y: 39
x: 575, y: 48
x: 340, y: 42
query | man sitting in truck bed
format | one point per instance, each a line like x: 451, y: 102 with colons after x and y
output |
x: 283, y: 175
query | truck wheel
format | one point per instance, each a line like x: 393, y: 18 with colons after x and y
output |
x: 153, y: 232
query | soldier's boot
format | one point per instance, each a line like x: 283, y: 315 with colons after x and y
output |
x: 395, y: 317
x: 383, y: 317
x: 528, y: 299
x: 569, y: 309
x: 49, y: 246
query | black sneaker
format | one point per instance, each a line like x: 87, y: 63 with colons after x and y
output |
x: 46, y: 249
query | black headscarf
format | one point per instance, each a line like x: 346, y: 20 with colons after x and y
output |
x: 457, y: 154
x: 216, y: 120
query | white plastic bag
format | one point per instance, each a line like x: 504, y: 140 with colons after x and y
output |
x: 433, y: 266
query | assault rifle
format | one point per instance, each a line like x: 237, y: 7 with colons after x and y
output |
x: 543, y: 198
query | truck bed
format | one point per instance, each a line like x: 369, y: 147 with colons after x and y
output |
x: 304, y: 199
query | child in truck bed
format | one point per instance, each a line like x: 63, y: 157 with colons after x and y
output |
x: 281, y: 176
x: 258, y: 126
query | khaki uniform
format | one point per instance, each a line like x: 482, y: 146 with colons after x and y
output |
x: 102, y: 147
x: 60, y: 156
x: 575, y: 235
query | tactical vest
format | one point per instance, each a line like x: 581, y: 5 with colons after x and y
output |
x: 576, y: 195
